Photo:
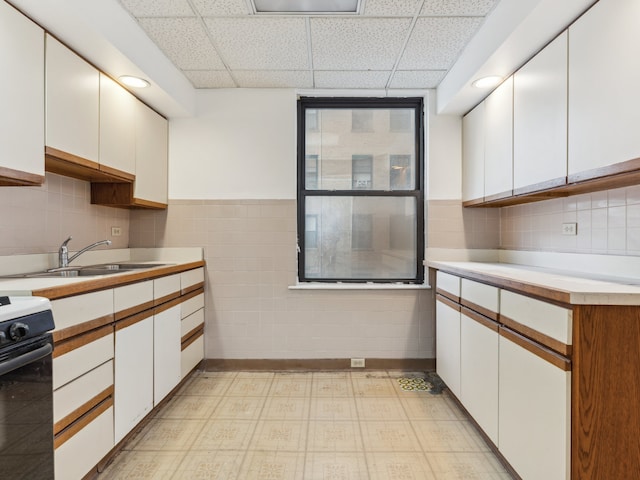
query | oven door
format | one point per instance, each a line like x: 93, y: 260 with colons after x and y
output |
x: 26, y: 410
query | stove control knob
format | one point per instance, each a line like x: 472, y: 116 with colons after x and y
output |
x: 18, y: 331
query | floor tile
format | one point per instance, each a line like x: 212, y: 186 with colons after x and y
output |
x: 340, y: 436
x: 290, y: 386
x: 432, y: 407
x: 389, y: 437
x: 448, y: 436
x: 170, y: 435
x: 225, y: 435
x: 240, y: 408
x: 399, y: 466
x: 210, y: 465
x: 380, y: 408
x: 332, y: 387
x: 279, y: 435
x: 195, y: 407
x: 336, y: 466
x: 209, y: 385
x: 242, y: 387
x: 465, y: 466
x: 333, y: 408
x: 373, y: 387
x: 132, y: 464
x: 273, y: 466
x: 286, y: 408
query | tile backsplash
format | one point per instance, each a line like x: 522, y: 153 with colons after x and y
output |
x: 39, y: 219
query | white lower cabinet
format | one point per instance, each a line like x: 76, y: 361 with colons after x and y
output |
x: 133, y: 375
x: 534, y: 416
x: 479, y: 372
x: 448, y: 345
x: 166, y: 352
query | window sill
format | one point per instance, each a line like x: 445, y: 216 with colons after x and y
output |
x: 359, y: 286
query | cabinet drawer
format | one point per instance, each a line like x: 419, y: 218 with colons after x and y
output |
x: 448, y: 285
x: 82, y: 359
x: 191, y: 322
x: 548, y: 319
x: 82, y: 451
x: 72, y: 311
x: 191, y: 279
x: 82, y: 390
x: 191, y: 355
x: 166, y: 288
x: 480, y: 297
x: 191, y: 305
x: 132, y: 299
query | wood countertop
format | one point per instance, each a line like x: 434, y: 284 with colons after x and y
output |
x: 55, y: 287
x: 565, y: 287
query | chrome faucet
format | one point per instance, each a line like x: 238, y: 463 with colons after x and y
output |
x: 63, y: 252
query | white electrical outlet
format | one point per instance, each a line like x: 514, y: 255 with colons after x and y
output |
x: 569, y: 229
x: 357, y: 363
x: 116, y: 231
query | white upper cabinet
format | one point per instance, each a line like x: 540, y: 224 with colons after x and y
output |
x: 473, y: 154
x: 117, y: 126
x: 151, y: 155
x: 22, y: 99
x: 72, y: 102
x: 540, y: 119
x: 604, y: 75
x: 498, y: 147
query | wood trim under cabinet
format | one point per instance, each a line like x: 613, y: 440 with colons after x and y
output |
x: 481, y: 319
x: 78, y: 341
x: 79, y: 329
x: 449, y: 295
x: 542, y: 352
x: 127, y: 322
x: 166, y: 298
x: 167, y: 305
x: 82, y: 422
x: 82, y: 410
x: 192, y: 294
x: 70, y: 165
x: 120, y: 195
x: 482, y: 310
x: 127, y: 312
x: 141, y: 203
x: 448, y: 302
x: 192, y: 336
x: 17, y: 178
x: 549, y: 342
x: 541, y: 188
x: 192, y: 288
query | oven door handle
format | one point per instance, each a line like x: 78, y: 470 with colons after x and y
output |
x: 27, y: 358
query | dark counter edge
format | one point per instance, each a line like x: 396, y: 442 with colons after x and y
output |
x: 116, y: 280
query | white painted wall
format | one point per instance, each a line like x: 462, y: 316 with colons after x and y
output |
x: 240, y: 145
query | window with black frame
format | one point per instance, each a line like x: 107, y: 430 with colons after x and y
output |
x: 360, y: 190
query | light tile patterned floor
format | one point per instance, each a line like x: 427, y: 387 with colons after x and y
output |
x: 306, y: 426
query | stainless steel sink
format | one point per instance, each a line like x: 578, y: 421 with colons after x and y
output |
x: 88, y: 271
x: 82, y: 272
x: 125, y: 266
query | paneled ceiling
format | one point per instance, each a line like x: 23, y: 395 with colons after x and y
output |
x: 390, y: 44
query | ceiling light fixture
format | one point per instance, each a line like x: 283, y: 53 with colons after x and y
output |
x: 306, y: 7
x: 134, y: 82
x: 488, y: 82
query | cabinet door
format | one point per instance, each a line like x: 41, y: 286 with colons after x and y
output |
x: 534, y: 415
x: 133, y: 375
x: 540, y: 120
x: 72, y: 100
x: 473, y: 154
x: 604, y: 74
x: 498, y: 150
x: 21, y: 97
x: 151, y: 155
x: 448, y: 346
x: 479, y: 371
x: 117, y: 126
x: 166, y: 352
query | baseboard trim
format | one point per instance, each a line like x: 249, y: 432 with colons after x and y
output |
x: 224, y: 364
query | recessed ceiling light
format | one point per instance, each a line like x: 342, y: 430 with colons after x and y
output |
x: 487, y: 82
x: 134, y: 82
x: 306, y: 6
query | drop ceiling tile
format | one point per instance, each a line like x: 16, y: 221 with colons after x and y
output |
x: 221, y: 8
x: 261, y: 43
x: 457, y: 7
x: 391, y: 8
x: 273, y: 79
x: 436, y: 42
x: 357, y: 43
x: 184, y: 41
x: 417, y: 78
x: 158, y: 8
x: 210, y: 78
x: 351, y: 79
